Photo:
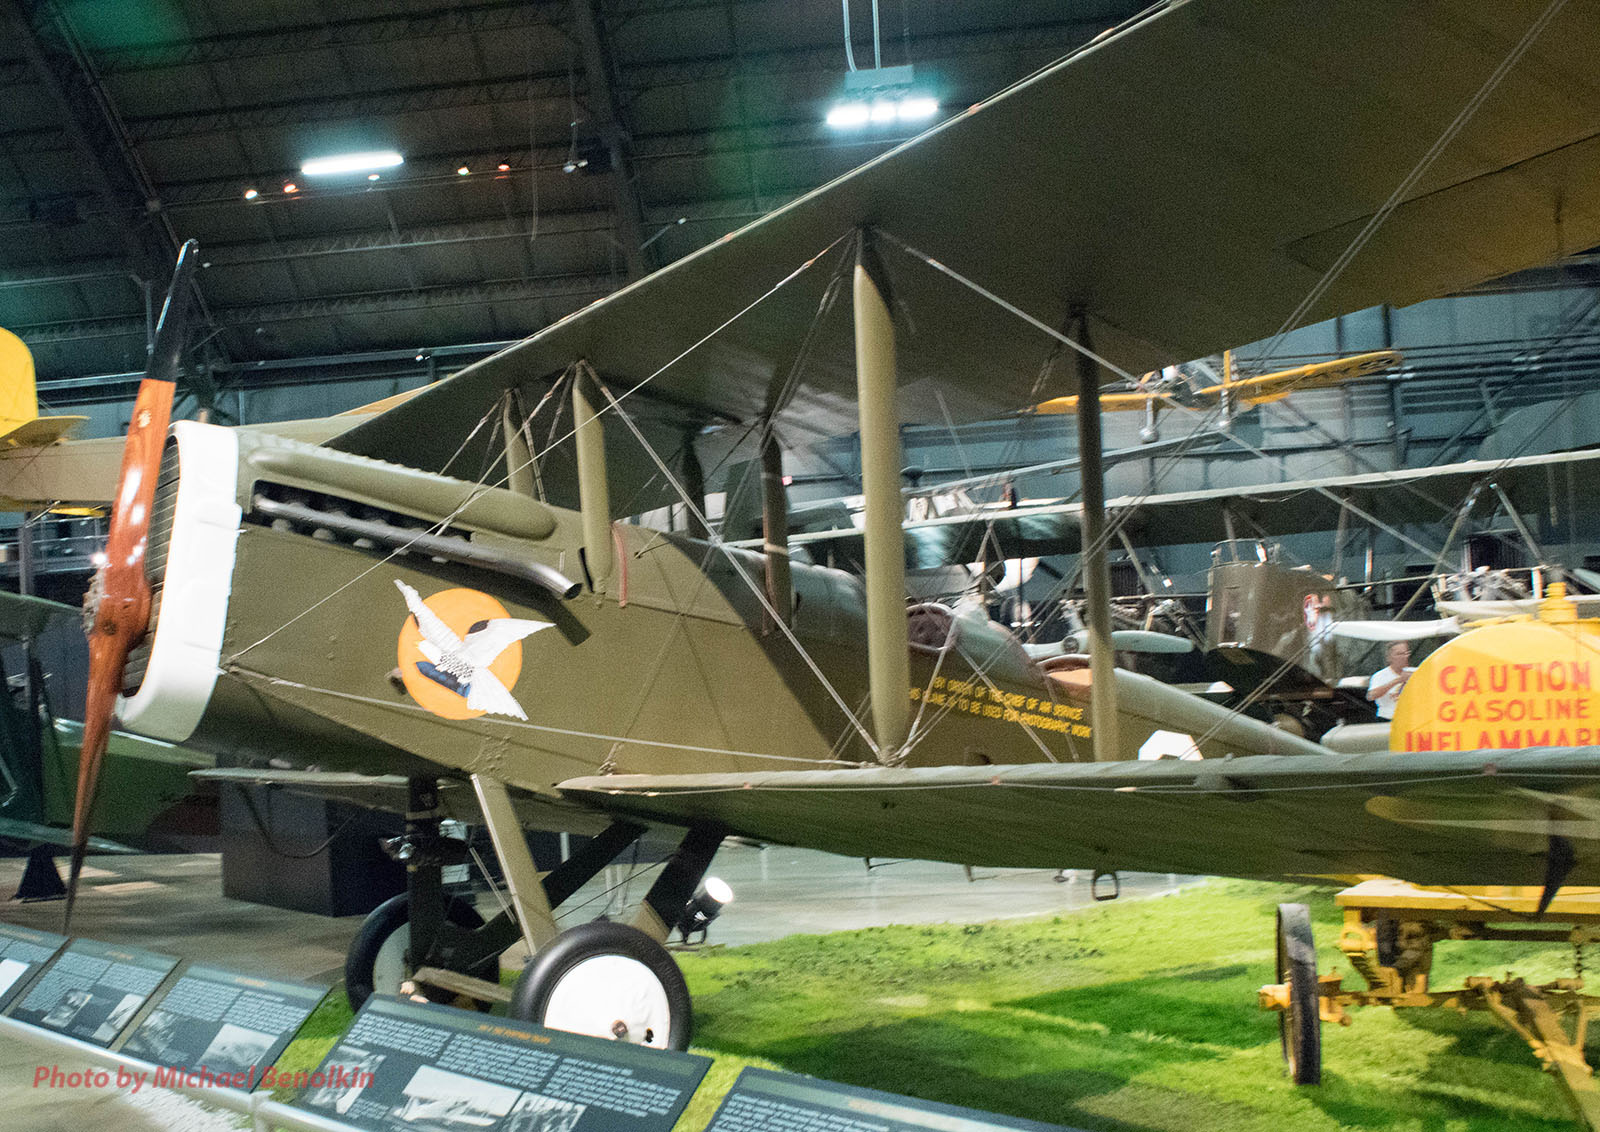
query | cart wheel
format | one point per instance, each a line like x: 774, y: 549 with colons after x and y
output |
x: 1387, y: 933
x: 1300, y: 1026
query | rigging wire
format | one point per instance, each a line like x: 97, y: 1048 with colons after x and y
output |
x: 527, y: 725
x: 1411, y: 179
x: 744, y: 576
x: 478, y: 489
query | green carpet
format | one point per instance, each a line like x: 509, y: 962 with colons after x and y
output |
x: 1127, y: 1016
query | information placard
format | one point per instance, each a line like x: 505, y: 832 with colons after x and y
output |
x: 764, y: 1101
x: 22, y: 952
x: 223, y: 1024
x: 416, y: 1067
x: 93, y: 990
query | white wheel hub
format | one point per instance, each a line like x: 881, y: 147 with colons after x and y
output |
x: 389, y: 964
x: 611, y: 996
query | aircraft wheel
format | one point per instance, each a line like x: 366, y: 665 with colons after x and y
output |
x: 1300, y: 1026
x: 609, y: 981
x: 376, y: 960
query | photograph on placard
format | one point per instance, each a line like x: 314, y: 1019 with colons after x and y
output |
x: 437, y: 1101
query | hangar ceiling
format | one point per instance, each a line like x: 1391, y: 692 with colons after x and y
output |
x: 599, y: 139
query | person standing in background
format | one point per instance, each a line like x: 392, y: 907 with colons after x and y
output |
x: 1385, y: 686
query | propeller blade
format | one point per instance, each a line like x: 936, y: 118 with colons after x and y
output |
x: 119, y: 600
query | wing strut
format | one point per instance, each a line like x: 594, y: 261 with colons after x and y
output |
x: 888, y: 656
x: 1096, y: 574
x: 775, y: 526
x: 594, y: 494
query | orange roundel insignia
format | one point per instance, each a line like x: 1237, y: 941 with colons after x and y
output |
x: 460, y: 653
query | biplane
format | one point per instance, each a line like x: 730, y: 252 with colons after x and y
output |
x: 1151, y: 392
x: 435, y: 605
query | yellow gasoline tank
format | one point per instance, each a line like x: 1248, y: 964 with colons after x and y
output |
x: 1509, y: 683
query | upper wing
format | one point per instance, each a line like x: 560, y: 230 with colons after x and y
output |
x: 1186, y: 182
x: 1437, y: 818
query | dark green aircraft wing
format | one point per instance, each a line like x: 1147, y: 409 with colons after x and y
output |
x: 37, y: 833
x: 1437, y: 818
x: 389, y: 792
x: 1185, y: 181
x: 23, y: 617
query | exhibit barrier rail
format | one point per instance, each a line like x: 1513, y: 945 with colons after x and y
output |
x: 266, y: 1113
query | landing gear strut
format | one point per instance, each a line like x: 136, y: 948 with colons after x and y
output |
x: 420, y: 927
x: 606, y: 979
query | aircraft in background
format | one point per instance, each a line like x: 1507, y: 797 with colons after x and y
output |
x: 21, y: 426
x: 1173, y: 386
x: 152, y: 804
x: 249, y: 604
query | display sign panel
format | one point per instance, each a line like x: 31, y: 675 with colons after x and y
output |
x: 228, y: 1026
x: 764, y: 1101
x: 22, y: 952
x: 417, y: 1067
x: 93, y: 990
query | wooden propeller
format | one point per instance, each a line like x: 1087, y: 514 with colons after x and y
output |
x: 117, y: 609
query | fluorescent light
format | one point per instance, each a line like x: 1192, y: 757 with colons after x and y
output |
x: 250, y: 194
x: 882, y: 111
x: 463, y: 171
x: 849, y: 115
x: 351, y: 163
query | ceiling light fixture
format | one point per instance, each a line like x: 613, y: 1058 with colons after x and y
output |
x: 351, y: 163
x: 849, y: 115
x: 882, y: 96
x: 463, y: 171
x: 250, y: 194
x: 291, y: 188
x: 372, y: 176
x: 854, y: 115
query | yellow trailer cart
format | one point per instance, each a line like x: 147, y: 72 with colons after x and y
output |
x: 1389, y: 931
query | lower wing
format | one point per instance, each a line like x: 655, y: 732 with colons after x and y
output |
x: 1444, y: 818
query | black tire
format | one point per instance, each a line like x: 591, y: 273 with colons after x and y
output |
x: 1387, y: 933
x: 1300, y: 1026
x: 381, y: 923
x: 532, y: 998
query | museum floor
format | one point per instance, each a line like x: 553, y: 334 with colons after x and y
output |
x: 173, y: 904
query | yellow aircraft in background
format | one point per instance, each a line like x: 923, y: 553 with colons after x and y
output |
x: 1172, y: 386
x: 21, y: 426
